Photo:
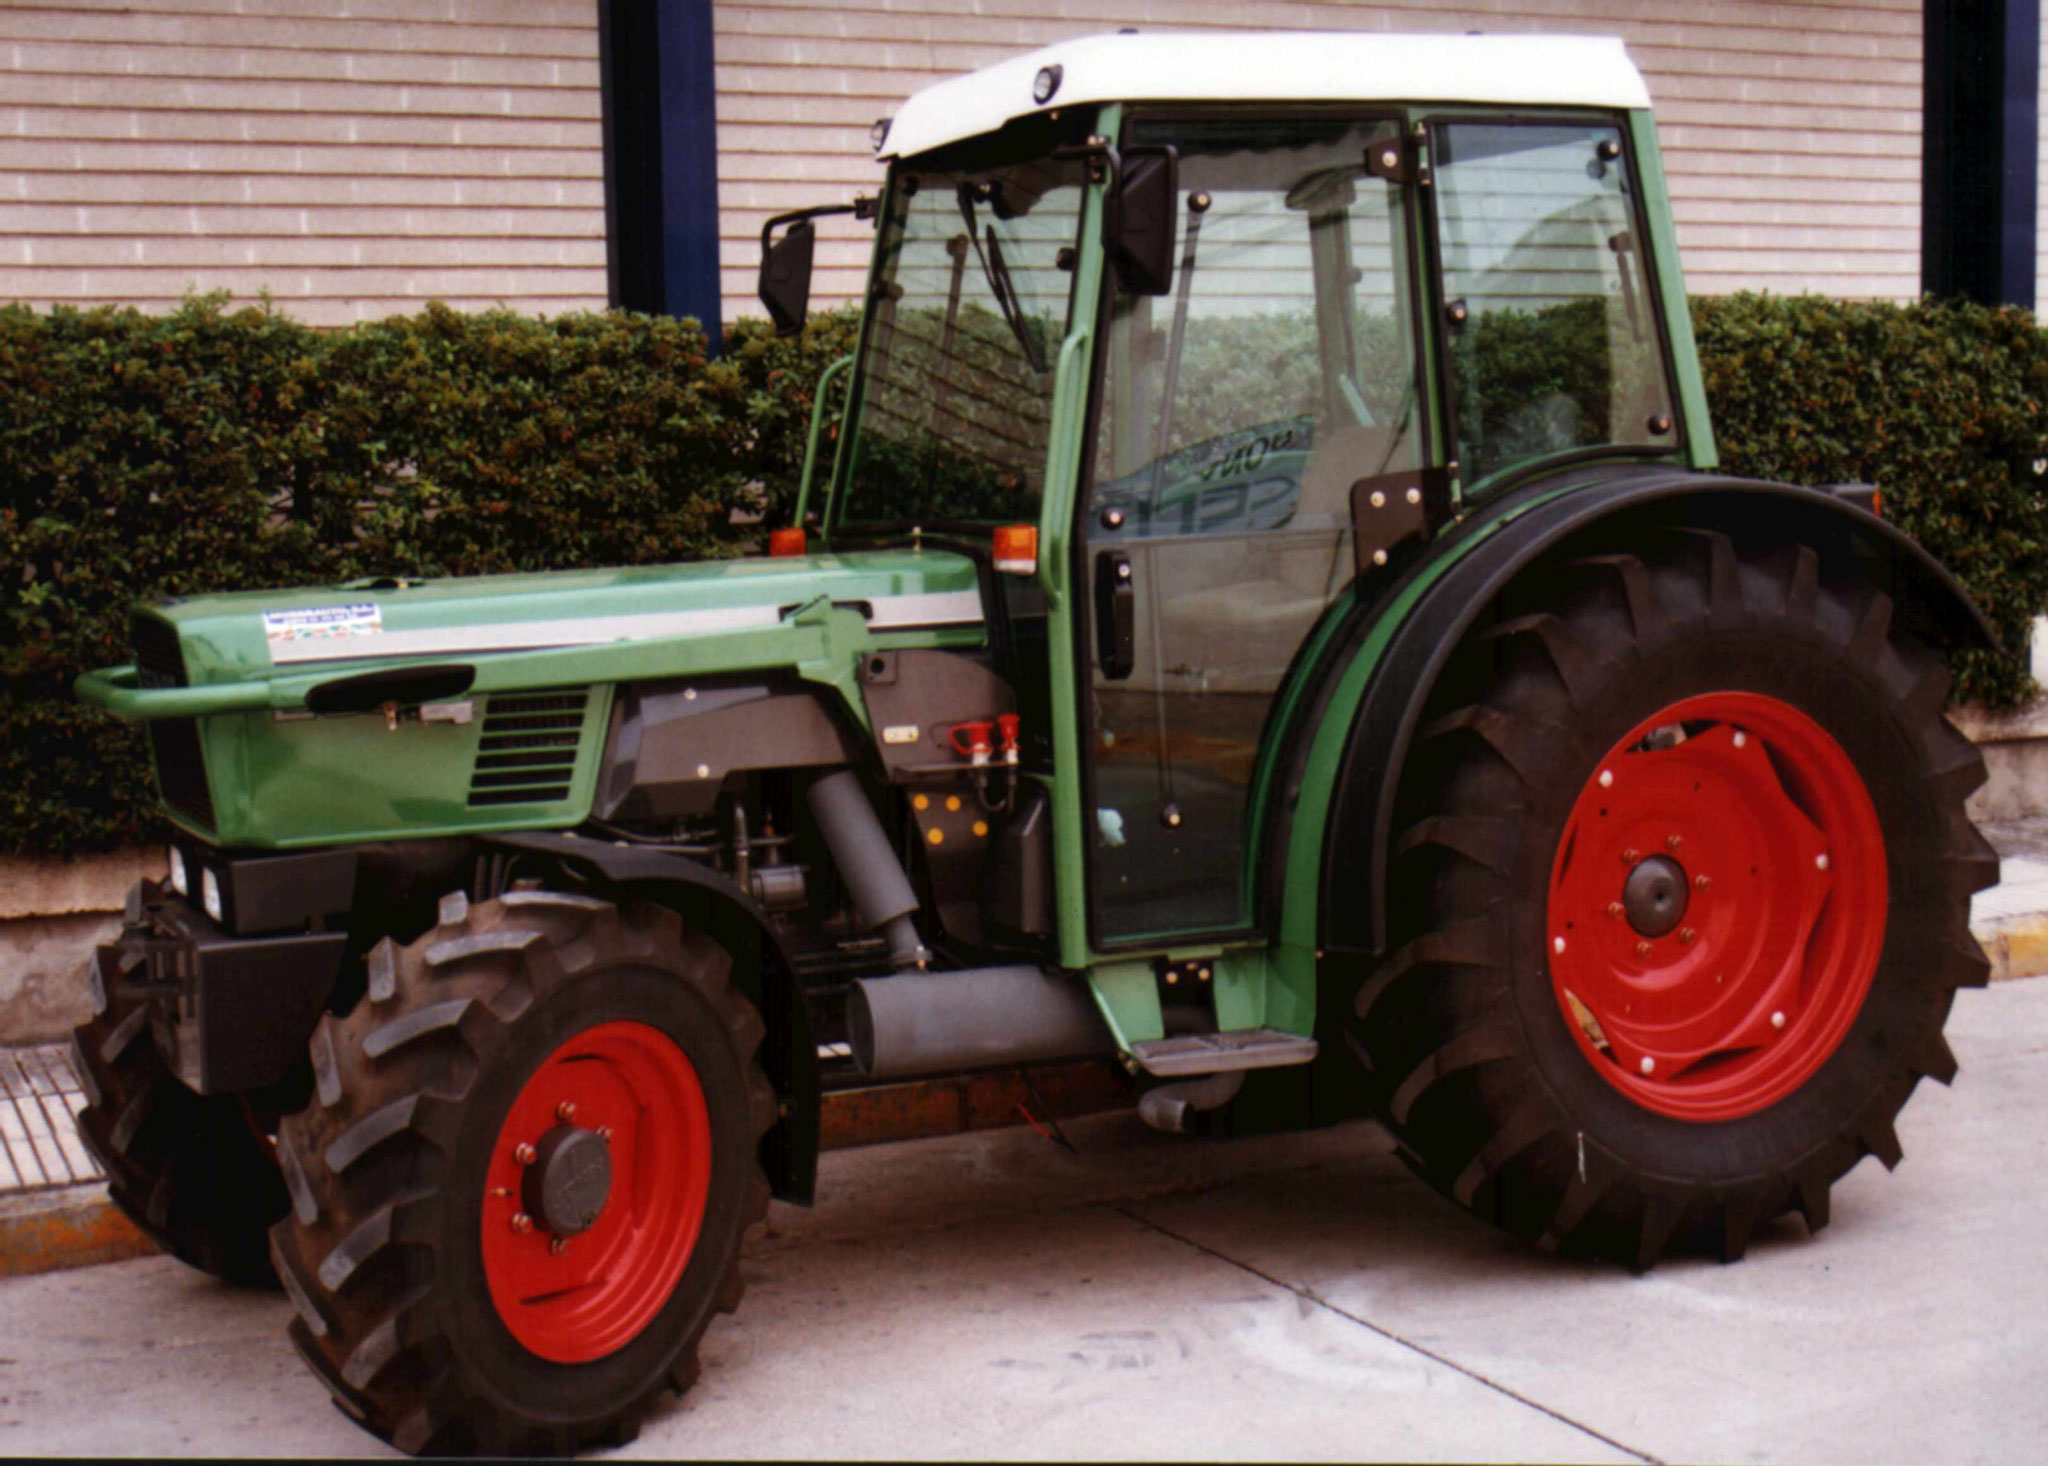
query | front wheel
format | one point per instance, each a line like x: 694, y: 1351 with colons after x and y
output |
x: 519, y: 1194
x: 1681, y: 903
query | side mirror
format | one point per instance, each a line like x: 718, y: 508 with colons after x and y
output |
x: 1141, y: 225
x: 785, y: 286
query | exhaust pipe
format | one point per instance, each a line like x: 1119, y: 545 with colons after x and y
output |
x: 983, y: 1018
x: 868, y: 864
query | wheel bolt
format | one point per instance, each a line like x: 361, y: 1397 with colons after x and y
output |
x: 1642, y: 949
x: 1614, y: 909
x: 1700, y: 883
x: 1687, y: 936
x: 604, y: 1132
x: 1607, y: 778
x: 1740, y: 738
x: 1672, y: 842
x: 1777, y: 1020
x: 1630, y: 857
x: 521, y: 1222
x: 1649, y: 1065
x: 523, y: 1153
x: 1820, y: 862
x: 565, y: 1111
x: 1557, y: 944
x: 558, y: 1245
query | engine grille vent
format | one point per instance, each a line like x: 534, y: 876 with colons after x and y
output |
x: 180, y: 765
x: 527, y: 751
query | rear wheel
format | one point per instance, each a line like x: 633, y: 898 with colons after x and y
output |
x: 1681, y: 901
x: 195, y: 1172
x: 519, y: 1194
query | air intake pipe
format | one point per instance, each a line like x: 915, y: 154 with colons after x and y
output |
x: 983, y: 1018
x: 868, y: 865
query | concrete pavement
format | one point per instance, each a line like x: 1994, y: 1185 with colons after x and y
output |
x: 991, y: 1296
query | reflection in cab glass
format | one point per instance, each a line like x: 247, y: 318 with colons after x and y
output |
x: 1553, y: 335
x: 1236, y: 413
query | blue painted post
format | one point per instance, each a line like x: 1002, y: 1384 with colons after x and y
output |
x: 1980, y: 148
x: 661, y: 158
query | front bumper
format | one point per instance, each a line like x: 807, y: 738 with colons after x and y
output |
x: 230, y: 1013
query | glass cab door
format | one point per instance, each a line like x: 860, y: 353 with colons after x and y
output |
x: 1235, y: 414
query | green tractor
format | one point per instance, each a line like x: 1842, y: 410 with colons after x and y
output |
x: 1271, y: 618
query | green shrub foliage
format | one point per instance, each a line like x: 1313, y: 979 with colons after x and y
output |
x: 218, y: 448
x: 1944, y: 406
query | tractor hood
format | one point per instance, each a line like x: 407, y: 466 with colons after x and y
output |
x: 253, y: 635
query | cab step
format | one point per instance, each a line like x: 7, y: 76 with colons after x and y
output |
x: 1220, y: 1053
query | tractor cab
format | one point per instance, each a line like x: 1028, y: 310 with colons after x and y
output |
x: 1235, y: 345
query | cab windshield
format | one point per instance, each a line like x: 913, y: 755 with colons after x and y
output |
x: 970, y: 303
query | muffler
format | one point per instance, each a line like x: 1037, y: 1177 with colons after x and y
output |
x: 982, y: 1018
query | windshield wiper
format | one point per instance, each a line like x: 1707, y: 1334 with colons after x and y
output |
x: 996, y: 271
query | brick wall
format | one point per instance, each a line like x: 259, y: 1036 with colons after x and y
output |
x: 356, y: 156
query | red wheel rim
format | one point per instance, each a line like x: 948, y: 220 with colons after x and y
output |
x: 1780, y: 911
x: 574, y: 1297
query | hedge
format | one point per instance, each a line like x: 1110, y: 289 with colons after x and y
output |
x: 217, y: 448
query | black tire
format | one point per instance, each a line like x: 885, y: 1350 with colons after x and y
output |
x: 1471, y: 1061
x: 190, y: 1170
x: 382, y: 1252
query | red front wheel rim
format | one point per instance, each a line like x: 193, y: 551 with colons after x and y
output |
x: 1717, y: 906
x: 571, y: 1292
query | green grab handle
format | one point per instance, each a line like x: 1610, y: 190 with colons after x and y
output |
x: 115, y: 689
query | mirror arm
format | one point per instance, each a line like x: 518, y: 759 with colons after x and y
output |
x: 863, y: 207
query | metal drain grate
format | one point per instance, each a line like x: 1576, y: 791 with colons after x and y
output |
x: 39, y: 1145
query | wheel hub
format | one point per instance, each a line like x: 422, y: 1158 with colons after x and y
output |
x: 596, y: 1191
x: 570, y: 1180
x: 1653, y: 896
x: 1717, y: 906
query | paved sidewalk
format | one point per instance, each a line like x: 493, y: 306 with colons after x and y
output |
x: 1297, y: 1298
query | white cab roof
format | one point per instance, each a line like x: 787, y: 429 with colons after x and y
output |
x: 1274, y: 66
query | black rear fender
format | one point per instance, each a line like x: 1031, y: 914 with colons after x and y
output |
x: 1529, y: 530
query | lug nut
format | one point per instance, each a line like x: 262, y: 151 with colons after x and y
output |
x: 1614, y: 909
x: 1777, y: 1020
x: 1741, y: 738
x: 1687, y: 936
x: 1642, y: 949
x: 523, y: 1153
x: 604, y: 1132
x: 1557, y: 944
x: 1700, y: 883
x: 1820, y: 862
x: 1649, y: 1065
x: 558, y: 1245
x: 521, y: 1222
x: 1672, y: 842
x: 1607, y: 778
x: 1630, y: 857
x: 565, y: 1111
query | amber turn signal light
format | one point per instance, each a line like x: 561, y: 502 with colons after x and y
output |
x: 786, y: 541
x: 1016, y: 549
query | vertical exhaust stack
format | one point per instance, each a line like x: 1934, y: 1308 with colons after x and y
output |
x: 866, y: 862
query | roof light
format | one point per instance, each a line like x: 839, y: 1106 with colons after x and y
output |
x: 786, y: 541
x: 1016, y: 549
x: 1046, y: 83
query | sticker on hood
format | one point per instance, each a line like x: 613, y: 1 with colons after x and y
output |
x: 322, y: 623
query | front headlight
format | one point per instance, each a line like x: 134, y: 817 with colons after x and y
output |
x: 209, y: 893
x: 178, y: 881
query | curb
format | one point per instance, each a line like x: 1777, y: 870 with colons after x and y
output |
x: 2017, y: 946
x: 73, y: 1226
x: 76, y: 1226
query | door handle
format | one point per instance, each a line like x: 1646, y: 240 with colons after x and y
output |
x: 1116, y: 615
